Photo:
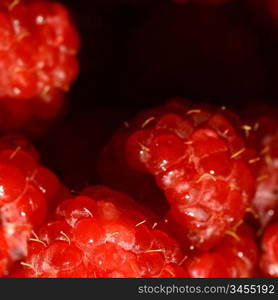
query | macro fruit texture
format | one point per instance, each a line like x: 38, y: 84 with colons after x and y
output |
x: 266, y: 198
x: 263, y: 135
x: 269, y: 257
x: 236, y: 256
x: 197, y: 157
x: 28, y: 189
x: 101, y: 233
x: 38, y: 64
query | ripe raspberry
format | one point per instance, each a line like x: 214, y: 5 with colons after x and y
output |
x: 269, y: 257
x: 197, y: 159
x: 38, y: 48
x: 25, y: 189
x: 103, y: 234
x: 263, y: 135
x: 234, y: 257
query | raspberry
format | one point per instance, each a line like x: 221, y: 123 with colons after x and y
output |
x: 263, y: 135
x: 269, y: 257
x: 197, y: 159
x: 101, y: 233
x: 234, y: 257
x: 25, y: 189
x: 38, y: 60
x: 266, y: 197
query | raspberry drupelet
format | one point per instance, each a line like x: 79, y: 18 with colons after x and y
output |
x: 269, y: 257
x: 38, y: 49
x: 196, y: 157
x: 235, y: 256
x: 101, y: 233
x: 26, y: 187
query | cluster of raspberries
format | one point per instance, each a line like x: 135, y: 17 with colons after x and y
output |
x: 188, y: 189
x: 205, y: 203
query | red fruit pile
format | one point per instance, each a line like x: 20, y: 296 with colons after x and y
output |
x: 103, y: 234
x: 205, y: 178
x: 200, y: 165
x: 197, y: 158
x: 26, y: 190
x: 38, y: 48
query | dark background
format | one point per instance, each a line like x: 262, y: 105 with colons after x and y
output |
x: 138, y: 53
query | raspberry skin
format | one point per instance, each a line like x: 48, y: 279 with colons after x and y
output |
x: 266, y: 198
x: 235, y: 256
x: 269, y: 257
x: 101, y: 233
x: 263, y: 135
x: 27, y: 189
x: 197, y: 158
x: 38, y: 49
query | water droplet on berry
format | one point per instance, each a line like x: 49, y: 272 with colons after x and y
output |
x: 39, y: 20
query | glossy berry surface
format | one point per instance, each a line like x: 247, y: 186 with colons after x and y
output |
x: 264, y: 137
x: 269, y: 257
x: 26, y: 187
x: 102, y: 233
x: 266, y: 198
x: 198, y: 159
x: 38, y: 48
x: 236, y: 256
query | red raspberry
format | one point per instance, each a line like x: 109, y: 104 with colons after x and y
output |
x: 263, y: 135
x: 25, y: 189
x: 197, y: 159
x: 234, y: 257
x: 103, y: 234
x: 269, y: 257
x: 266, y: 197
x: 38, y: 48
